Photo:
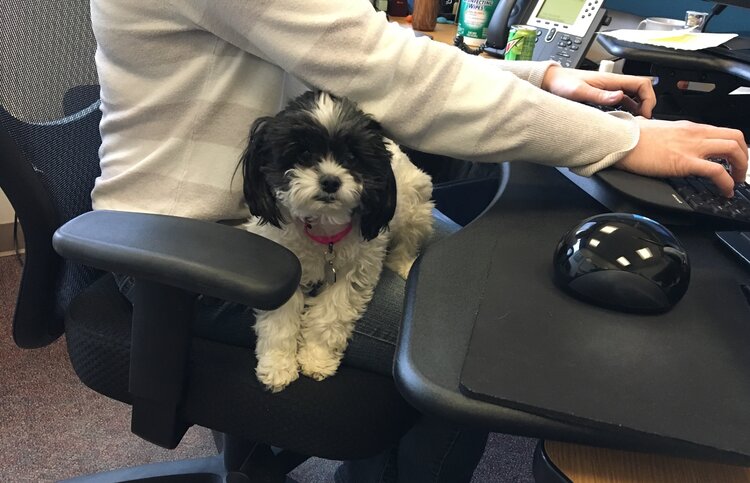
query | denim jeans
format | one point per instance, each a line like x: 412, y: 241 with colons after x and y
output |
x: 432, y: 451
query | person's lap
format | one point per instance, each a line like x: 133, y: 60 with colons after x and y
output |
x: 432, y: 451
x: 372, y: 344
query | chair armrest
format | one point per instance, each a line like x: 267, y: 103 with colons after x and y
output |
x: 193, y: 255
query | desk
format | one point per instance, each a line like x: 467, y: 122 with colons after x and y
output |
x: 435, y: 338
x: 437, y: 330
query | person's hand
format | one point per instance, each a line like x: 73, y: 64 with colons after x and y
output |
x: 681, y: 148
x: 635, y: 94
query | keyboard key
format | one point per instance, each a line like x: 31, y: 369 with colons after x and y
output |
x: 704, y: 197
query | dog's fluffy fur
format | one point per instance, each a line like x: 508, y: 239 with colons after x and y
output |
x: 325, y: 163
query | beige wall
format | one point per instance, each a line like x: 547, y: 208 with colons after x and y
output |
x: 6, y: 211
x: 7, y: 243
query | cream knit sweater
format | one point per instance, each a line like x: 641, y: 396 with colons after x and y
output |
x: 183, y: 80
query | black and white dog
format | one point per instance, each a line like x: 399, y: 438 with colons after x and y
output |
x: 322, y: 180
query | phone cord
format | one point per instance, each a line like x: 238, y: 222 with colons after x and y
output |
x: 459, y: 42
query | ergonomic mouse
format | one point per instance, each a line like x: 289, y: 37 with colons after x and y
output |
x: 624, y: 262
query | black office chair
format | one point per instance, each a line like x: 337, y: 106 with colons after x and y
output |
x: 149, y: 356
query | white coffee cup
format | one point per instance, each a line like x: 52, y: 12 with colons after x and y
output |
x: 661, y: 23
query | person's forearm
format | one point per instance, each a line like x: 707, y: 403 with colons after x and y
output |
x: 427, y: 95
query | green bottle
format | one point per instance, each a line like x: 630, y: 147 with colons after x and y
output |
x: 474, y: 18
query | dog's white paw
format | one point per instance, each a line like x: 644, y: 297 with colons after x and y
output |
x: 317, y: 362
x: 276, y: 371
x: 401, y: 267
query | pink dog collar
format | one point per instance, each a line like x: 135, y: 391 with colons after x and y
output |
x: 327, y: 239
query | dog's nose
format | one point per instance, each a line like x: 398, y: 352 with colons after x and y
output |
x: 330, y: 183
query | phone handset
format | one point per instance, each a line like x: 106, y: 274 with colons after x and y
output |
x: 565, y: 29
x: 507, y: 13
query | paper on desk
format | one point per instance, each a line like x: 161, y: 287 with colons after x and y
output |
x: 684, y: 39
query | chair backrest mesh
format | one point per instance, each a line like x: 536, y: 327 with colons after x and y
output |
x: 46, y: 48
x: 49, y: 107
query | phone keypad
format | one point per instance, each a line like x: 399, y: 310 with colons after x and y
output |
x: 567, y: 47
x: 590, y: 9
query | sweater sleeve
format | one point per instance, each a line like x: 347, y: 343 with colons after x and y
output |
x: 427, y: 95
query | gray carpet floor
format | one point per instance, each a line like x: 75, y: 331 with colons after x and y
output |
x: 52, y: 427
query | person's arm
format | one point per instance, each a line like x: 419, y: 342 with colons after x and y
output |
x: 634, y: 93
x: 427, y: 95
x: 681, y: 148
x: 435, y: 98
x: 664, y: 148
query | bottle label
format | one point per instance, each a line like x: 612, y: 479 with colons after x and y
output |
x: 474, y: 18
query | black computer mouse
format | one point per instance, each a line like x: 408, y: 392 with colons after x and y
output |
x: 624, y: 262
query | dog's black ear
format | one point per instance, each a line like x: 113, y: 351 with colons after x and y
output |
x: 258, y: 194
x: 378, y: 205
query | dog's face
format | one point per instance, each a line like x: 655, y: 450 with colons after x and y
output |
x: 320, y: 158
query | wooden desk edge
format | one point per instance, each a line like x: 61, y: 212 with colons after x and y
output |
x: 588, y: 464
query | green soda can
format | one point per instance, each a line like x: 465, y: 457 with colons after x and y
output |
x: 521, y: 41
x: 474, y: 18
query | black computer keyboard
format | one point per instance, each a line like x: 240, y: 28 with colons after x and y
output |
x: 703, y: 197
x: 683, y: 195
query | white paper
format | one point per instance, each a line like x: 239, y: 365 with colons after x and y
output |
x: 683, y: 39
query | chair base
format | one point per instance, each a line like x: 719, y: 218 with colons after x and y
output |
x: 239, y: 461
x: 201, y: 470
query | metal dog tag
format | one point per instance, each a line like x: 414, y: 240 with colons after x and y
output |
x: 329, y: 273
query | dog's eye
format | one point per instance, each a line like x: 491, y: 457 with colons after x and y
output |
x: 304, y: 156
x: 347, y: 158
